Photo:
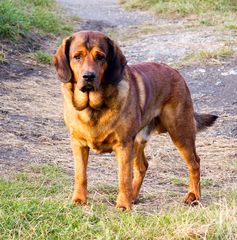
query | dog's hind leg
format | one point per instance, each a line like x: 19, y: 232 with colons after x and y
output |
x: 140, y: 166
x: 188, y: 152
x: 180, y: 124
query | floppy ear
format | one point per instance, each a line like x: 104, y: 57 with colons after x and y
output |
x: 61, y: 61
x: 116, y: 64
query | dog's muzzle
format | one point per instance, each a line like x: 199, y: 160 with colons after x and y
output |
x: 89, y: 78
x: 87, y: 88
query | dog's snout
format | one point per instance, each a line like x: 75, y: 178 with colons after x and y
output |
x: 89, y: 76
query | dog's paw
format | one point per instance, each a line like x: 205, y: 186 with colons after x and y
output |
x: 79, y: 199
x: 191, y: 199
x: 123, y: 202
x: 123, y: 206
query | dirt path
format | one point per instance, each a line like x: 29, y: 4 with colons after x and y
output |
x: 31, y: 122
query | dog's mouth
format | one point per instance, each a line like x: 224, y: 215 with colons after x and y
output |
x: 87, y: 88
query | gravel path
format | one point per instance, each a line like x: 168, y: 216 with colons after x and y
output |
x: 107, y: 12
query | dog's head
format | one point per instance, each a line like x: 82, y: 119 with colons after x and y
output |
x: 90, y: 59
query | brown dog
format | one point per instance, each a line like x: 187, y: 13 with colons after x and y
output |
x: 110, y: 106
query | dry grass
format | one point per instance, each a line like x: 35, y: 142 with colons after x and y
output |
x: 132, y: 32
x: 181, y: 7
x: 209, y: 57
x: 219, y: 53
x: 2, y: 56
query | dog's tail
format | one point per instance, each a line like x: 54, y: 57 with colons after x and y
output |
x: 204, y: 120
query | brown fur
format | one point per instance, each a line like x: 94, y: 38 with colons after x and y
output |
x: 124, y: 105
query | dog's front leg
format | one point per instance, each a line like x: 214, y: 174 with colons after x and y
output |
x: 80, y: 161
x: 124, y: 155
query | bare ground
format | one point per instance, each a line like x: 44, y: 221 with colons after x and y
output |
x: 31, y: 116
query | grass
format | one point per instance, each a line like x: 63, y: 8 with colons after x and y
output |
x: 130, y: 33
x: 19, y: 17
x: 233, y: 165
x: 214, y: 56
x: 232, y: 27
x: 181, y: 7
x: 42, y: 57
x: 219, y: 53
x: 178, y: 181
x: 206, y: 182
x: 37, y: 206
x: 2, y: 56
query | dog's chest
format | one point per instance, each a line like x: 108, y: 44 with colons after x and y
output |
x: 100, y: 147
x: 99, y: 139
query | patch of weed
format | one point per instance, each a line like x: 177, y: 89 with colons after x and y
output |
x: 2, y: 56
x: 14, y: 22
x: 231, y: 27
x: 178, y: 181
x: 206, y: 182
x: 208, y: 56
x: 19, y: 17
x: 42, y: 57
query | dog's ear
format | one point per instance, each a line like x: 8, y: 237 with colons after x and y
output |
x: 116, y: 64
x: 61, y: 61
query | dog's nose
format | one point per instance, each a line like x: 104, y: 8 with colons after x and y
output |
x: 89, y: 76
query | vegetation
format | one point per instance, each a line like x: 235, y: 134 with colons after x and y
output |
x: 37, y: 206
x: 178, y: 181
x: 20, y: 17
x: 203, y: 55
x: 182, y: 7
x: 42, y: 57
x: 2, y: 56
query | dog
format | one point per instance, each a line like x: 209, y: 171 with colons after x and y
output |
x: 112, y: 106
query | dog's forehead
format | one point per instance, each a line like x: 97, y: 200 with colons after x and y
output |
x: 89, y: 40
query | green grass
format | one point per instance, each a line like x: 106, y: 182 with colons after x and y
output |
x: 41, y: 3
x: 206, y: 182
x: 42, y: 57
x: 182, y: 7
x: 178, y: 181
x: 19, y: 17
x: 37, y: 206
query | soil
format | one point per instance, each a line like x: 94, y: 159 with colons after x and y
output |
x: 31, y: 113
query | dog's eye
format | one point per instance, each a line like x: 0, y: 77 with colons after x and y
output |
x: 99, y: 58
x: 78, y: 57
